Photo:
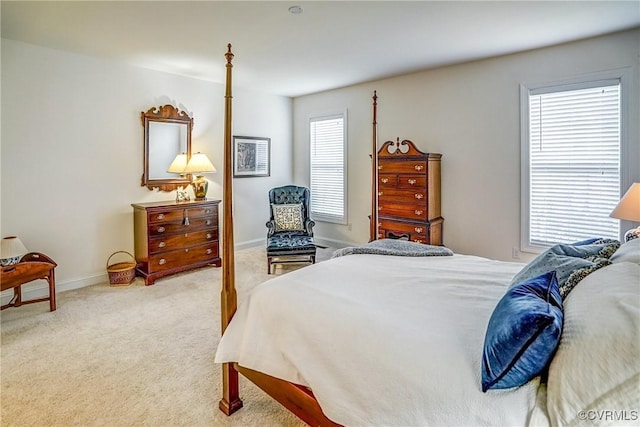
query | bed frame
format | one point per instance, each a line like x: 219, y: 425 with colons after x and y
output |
x: 294, y: 397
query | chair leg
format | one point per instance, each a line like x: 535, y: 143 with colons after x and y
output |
x: 313, y: 259
x: 268, y: 265
x: 52, y: 290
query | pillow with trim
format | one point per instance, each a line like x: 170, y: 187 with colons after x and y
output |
x: 571, y: 262
x: 288, y: 217
x: 523, y: 333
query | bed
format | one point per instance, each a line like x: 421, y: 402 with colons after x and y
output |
x: 402, y: 339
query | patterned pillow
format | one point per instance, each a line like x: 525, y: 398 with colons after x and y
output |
x: 288, y: 217
x: 571, y: 262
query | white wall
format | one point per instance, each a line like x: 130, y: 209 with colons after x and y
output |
x: 471, y: 114
x: 72, y: 152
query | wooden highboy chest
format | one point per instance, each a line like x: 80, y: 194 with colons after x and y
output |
x: 408, y: 193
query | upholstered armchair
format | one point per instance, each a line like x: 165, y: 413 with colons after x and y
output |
x: 290, y: 230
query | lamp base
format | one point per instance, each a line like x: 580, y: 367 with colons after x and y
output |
x: 634, y: 233
x: 200, y: 186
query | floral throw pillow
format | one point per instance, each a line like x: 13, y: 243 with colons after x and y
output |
x: 571, y: 262
x: 288, y: 217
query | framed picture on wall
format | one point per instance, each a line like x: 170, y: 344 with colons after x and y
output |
x: 251, y: 156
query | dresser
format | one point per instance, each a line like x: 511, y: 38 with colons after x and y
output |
x: 171, y: 237
x: 408, y: 193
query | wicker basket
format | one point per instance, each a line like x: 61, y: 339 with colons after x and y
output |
x: 121, y: 273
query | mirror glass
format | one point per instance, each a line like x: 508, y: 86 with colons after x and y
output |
x: 167, y: 133
x: 167, y: 141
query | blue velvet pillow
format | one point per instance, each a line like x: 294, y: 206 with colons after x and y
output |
x: 523, y: 333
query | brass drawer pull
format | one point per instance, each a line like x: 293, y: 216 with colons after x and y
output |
x: 418, y: 240
x: 380, y: 193
x: 418, y: 212
x: 379, y: 167
x: 412, y: 181
x: 419, y: 196
x: 160, y: 216
x: 209, y: 235
x: 418, y: 229
x: 379, y: 224
x: 379, y: 208
x: 384, y: 180
x: 162, y: 261
x: 207, y: 211
x: 209, y: 251
x: 186, y: 250
x: 418, y: 167
x: 162, y: 244
x: 208, y: 222
x: 161, y: 229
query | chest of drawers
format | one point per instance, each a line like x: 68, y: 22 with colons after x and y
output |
x: 408, y: 193
x: 171, y: 237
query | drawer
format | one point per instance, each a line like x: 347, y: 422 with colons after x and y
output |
x: 180, y: 241
x: 169, y: 215
x: 411, y: 166
x: 412, y: 181
x: 402, y: 210
x: 385, y: 233
x: 181, y: 257
x: 195, y: 224
x: 387, y: 180
x: 417, y: 197
x: 414, y: 229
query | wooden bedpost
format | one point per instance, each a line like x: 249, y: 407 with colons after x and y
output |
x: 230, y: 401
x: 373, y: 226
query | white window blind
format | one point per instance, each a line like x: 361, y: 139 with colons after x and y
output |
x: 328, y: 168
x: 574, y: 142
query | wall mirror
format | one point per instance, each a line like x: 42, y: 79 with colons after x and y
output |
x: 167, y: 133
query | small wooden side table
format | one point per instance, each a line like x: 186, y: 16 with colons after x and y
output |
x: 32, y: 266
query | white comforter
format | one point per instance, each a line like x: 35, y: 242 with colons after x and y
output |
x: 382, y: 340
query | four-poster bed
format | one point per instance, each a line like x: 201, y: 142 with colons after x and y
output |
x: 297, y: 399
x: 368, y: 339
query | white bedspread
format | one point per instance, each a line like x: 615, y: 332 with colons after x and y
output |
x: 382, y: 340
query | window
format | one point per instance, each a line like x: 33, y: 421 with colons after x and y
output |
x: 571, y: 148
x: 327, y: 138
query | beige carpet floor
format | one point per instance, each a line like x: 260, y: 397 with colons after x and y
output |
x: 130, y: 356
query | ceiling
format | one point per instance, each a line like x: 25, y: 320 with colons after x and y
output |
x: 331, y: 44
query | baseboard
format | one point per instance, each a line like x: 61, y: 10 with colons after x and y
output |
x: 251, y: 244
x: 333, y: 243
x: 40, y: 288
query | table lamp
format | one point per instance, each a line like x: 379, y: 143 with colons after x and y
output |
x: 11, y: 250
x: 198, y: 165
x: 178, y: 166
x: 629, y: 209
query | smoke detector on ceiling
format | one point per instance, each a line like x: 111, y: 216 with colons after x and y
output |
x: 296, y: 10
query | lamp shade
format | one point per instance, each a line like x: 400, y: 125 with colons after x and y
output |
x: 179, y: 164
x: 11, y: 250
x: 199, y: 163
x: 629, y: 206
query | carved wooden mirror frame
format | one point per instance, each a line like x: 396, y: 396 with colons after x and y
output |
x: 165, y: 115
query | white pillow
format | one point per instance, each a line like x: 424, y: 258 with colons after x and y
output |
x: 628, y: 252
x: 594, y: 376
